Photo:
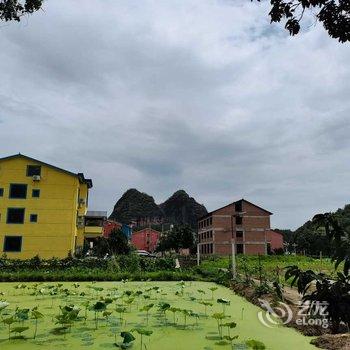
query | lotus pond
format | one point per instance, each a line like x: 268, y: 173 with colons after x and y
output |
x: 137, y: 315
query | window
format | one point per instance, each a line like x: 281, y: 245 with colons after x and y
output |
x: 18, y: 191
x: 12, y: 244
x: 239, y: 234
x: 36, y: 193
x: 238, y: 206
x: 238, y: 220
x: 1, y: 192
x: 239, y: 248
x: 33, y: 217
x: 33, y: 170
x: 210, y: 221
x: 15, y: 215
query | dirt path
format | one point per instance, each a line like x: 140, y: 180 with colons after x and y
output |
x: 291, y: 295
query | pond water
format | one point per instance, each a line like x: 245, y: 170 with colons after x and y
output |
x: 199, y: 333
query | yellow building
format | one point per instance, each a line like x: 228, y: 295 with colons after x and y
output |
x: 94, y: 221
x: 42, y: 208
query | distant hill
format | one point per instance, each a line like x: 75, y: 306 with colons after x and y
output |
x: 136, y: 206
x: 141, y: 209
x: 180, y: 208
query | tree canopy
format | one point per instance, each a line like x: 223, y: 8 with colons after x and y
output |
x: 333, y: 14
x: 13, y: 10
x: 181, y: 236
x: 312, y: 238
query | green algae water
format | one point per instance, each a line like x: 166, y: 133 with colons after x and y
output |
x: 171, y: 331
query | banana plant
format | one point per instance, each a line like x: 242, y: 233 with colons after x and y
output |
x: 36, y: 315
x: 147, y: 308
x: 142, y: 332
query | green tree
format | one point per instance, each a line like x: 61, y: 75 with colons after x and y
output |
x: 118, y: 243
x: 13, y: 10
x: 333, y: 14
x: 180, y: 236
x: 333, y: 291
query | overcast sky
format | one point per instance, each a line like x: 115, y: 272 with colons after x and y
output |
x: 202, y: 95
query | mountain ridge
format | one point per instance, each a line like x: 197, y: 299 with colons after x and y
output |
x: 141, y: 209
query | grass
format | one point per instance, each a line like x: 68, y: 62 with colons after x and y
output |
x: 271, y: 265
x: 120, y: 313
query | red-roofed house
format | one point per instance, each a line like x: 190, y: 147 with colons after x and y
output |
x: 145, y: 239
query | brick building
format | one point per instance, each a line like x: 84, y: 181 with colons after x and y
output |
x: 275, y: 240
x: 242, y: 223
x: 145, y: 239
x: 109, y: 226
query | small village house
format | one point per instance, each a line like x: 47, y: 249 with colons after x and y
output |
x: 145, y: 239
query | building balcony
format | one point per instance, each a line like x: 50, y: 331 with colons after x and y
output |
x: 93, y: 231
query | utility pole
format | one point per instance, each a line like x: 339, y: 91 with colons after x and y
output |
x: 233, y: 259
x: 198, y: 257
x: 233, y: 249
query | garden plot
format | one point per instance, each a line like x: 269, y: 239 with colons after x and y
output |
x: 137, y: 315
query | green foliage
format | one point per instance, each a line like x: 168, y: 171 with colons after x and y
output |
x: 127, y: 342
x: 19, y: 329
x: 13, y: 10
x: 181, y: 236
x: 334, y: 15
x: 3, y: 305
x: 255, y: 344
x: 117, y: 243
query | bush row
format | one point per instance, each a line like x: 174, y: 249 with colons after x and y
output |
x: 120, y: 263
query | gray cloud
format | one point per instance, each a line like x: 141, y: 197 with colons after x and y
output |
x: 201, y: 95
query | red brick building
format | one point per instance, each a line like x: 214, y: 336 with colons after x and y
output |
x: 109, y: 226
x: 275, y: 240
x: 145, y: 239
x: 242, y: 223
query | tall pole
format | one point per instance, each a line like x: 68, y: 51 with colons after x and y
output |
x: 233, y: 259
x: 198, y: 257
x: 233, y: 250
